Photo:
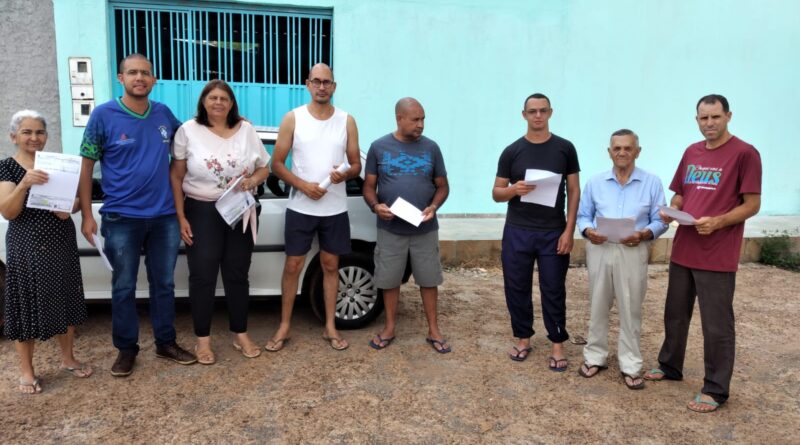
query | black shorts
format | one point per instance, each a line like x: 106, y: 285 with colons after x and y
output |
x: 299, y: 231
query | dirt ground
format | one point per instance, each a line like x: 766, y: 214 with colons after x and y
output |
x: 309, y: 393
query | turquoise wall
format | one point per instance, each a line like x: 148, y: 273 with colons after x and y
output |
x: 605, y: 65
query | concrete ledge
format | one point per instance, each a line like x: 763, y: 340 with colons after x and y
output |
x: 476, y: 241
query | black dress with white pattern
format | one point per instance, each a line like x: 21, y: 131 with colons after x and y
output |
x: 44, y: 289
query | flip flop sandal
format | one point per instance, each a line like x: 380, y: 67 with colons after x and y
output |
x: 698, y: 401
x: 588, y: 374
x: 35, y: 385
x: 206, y: 357
x: 655, y: 371
x: 577, y: 340
x: 245, y: 352
x: 441, y: 349
x: 277, y: 345
x: 82, y: 371
x: 380, y: 344
x: 632, y: 385
x: 338, y: 340
x: 521, y: 355
x: 553, y: 365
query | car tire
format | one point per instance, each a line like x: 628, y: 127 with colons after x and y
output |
x: 358, y: 301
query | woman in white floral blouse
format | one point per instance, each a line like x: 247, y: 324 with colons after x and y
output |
x: 210, y: 152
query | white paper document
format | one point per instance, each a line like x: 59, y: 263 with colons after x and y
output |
x: 406, y: 211
x: 233, y: 204
x: 58, y: 193
x: 99, y: 244
x: 546, y: 190
x: 682, y: 217
x: 343, y: 167
x: 615, y: 229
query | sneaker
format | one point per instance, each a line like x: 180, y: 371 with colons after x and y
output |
x: 175, y: 353
x: 123, y: 365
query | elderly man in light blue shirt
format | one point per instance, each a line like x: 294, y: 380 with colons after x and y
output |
x: 619, y: 268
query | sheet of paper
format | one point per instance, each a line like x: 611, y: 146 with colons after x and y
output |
x: 615, y: 229
x: 682, y: 217
x: 234, y: 203
x: 343, y: 167
x: 58, y: 193
x: 98, y: 243
x: 546, y: 190
x: 406, y: 211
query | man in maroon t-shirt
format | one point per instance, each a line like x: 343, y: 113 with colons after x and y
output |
x: 718, y: 182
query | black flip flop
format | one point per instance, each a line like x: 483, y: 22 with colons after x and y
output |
x: 553, y: 364
x: 433, y: 342
x: 625, y: 378
x: 380, y: 345
x: 590, y: 367
x: 519, y: 357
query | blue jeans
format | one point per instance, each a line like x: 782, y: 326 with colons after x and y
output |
x: 125, y: 240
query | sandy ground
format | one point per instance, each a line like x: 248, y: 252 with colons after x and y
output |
x: 309, y: 393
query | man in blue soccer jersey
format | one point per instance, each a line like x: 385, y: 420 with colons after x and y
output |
x: 131, y: 136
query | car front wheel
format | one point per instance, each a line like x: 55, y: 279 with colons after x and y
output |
x: 358, y: 301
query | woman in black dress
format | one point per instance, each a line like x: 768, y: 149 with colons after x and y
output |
x: 44, y: 291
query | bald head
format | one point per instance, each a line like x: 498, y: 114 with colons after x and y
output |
x: 410, y: 119
x: 406, y: 104
x: 320, y: 71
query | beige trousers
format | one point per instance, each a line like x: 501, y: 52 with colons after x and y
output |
x: 616, y: 270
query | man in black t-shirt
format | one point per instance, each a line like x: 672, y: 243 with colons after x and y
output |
x: 537, y: 232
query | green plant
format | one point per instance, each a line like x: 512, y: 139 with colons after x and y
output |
x: 776, y: 250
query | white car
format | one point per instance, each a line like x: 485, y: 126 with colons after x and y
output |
x: 358, y: 302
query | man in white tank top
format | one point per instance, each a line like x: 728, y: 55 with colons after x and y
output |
x: 321, y: 137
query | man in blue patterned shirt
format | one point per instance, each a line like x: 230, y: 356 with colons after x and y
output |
x: 405, y: 164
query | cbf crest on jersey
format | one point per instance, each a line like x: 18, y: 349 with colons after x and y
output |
x: 163, y: 130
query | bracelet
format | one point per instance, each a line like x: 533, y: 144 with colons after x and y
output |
x: 372, y: 206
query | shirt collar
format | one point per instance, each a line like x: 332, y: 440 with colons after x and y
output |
x: 635, y: 176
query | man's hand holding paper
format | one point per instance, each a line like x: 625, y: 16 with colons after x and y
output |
x: 407, y: 212
x: 546, y: 187
x: 669, y: 214
x: 522, y: 188
x: 616, y: 230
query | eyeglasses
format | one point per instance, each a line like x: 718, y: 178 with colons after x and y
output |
x: 321, y: 83
x: 535, y: 111
x: 133, y: 73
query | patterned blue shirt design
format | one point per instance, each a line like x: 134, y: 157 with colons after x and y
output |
x: 413, y: 164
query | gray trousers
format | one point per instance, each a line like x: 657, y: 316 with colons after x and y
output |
x: 714, y: 293
x: 616, y: 270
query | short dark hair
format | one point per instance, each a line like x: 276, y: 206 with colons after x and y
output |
x: 202, y: 115
x: 711, y: 99
x: 129, y: 57
x: 625, y: 132
x: 536, y: 96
